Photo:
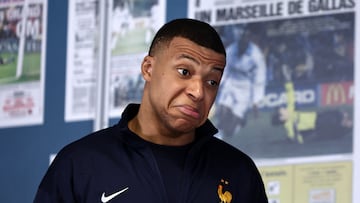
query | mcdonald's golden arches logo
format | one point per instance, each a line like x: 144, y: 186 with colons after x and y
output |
x: 336, y: 94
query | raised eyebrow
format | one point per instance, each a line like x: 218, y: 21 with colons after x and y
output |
x: 217, y: 68
x: 221, y: 70
x: 189, y: 57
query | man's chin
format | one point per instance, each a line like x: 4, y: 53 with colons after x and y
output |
x: 187, y: 125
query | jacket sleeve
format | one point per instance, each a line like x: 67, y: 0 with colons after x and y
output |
x: 56, y: 185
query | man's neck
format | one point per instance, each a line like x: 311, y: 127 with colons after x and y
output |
x: 151, y: 131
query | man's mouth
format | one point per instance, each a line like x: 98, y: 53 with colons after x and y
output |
x: 190, y: 111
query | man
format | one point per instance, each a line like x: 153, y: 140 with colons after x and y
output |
x: 299, y: 124
x: 244, y: 85
x: 162, y: 150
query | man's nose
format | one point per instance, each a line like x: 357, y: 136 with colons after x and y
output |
x: 196, y: 89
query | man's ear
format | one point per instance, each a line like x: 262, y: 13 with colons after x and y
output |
x: 146, y: 67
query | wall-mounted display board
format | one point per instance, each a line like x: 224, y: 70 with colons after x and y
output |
x: 287, y: 96
x: 300, y: 55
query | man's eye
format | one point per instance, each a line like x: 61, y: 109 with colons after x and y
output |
x: 213, y: 83
x: 183, y: 71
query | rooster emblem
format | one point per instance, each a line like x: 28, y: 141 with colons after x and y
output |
x: 225, y: 196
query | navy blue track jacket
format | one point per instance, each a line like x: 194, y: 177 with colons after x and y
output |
x: 115, y: 165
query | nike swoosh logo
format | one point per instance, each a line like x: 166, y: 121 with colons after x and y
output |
x: 105, y: 199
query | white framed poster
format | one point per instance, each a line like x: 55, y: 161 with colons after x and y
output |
x: 22, y: 62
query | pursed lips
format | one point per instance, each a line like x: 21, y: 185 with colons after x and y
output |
x: 190, y: 111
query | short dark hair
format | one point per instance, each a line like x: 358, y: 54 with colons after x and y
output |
x: 196, y: 31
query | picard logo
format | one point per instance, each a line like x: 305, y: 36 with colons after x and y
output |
x: 337, y: 93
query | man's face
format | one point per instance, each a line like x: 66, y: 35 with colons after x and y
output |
x: 238, y: 32
x: 182, y: 81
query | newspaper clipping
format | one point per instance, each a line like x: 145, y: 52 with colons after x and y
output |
x: 22, y: 62
x: 287, y: 92
x: 130, y: 28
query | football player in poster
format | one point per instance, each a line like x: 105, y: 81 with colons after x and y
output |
x: 244, y: 82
